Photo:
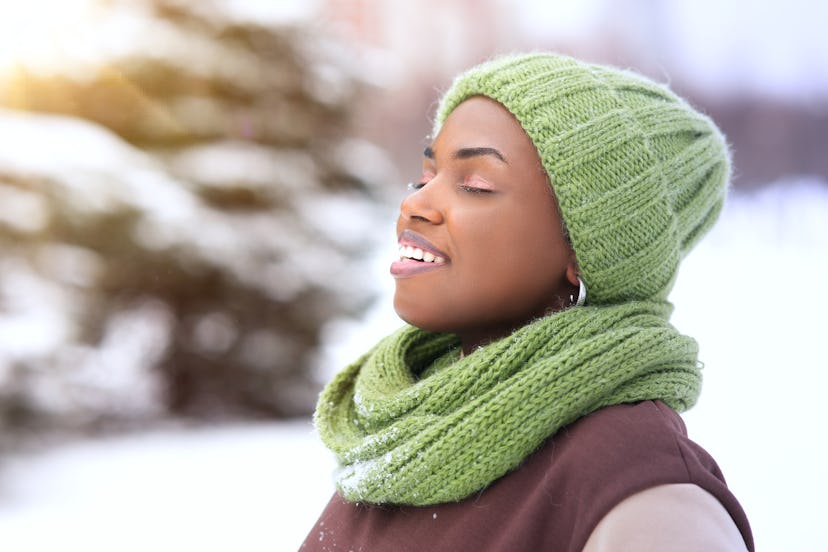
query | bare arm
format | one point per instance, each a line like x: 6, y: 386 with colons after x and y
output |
x: 679, y: 517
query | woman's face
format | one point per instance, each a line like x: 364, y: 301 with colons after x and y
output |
x: 492, y: 255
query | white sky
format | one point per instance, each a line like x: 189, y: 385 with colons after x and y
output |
x: 770, y: 46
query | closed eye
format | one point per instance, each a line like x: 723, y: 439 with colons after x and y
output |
x: 475, y: 189
x: 476, y: 185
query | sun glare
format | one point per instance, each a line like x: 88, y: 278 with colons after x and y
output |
x: 40, y: 33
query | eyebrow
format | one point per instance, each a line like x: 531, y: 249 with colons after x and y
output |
x: 468, y: 153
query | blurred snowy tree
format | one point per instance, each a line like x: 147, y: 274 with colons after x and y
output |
x: 179, y: 220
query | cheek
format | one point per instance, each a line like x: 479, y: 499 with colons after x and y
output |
x: 514, y: 246
x: 523, y: 264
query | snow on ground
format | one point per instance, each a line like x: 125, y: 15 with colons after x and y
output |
x: 251, y: 488
x: 753, y: 294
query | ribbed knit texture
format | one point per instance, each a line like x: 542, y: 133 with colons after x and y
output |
x: 638, y: 174
x: 411, y: 423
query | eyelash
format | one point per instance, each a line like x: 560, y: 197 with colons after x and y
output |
x: 475, y: 190
x: 414, y: 186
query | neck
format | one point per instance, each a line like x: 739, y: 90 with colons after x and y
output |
x: 473, y: 340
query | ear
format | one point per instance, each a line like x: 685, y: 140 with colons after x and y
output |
x: 572, y: 270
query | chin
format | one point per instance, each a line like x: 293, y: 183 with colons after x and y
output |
x: 421, y: 318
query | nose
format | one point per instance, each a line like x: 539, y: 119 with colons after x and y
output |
x: 421, y: 205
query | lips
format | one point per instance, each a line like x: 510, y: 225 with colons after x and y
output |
x: 417, y: 255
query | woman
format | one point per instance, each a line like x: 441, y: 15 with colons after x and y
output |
x: 530, y: 404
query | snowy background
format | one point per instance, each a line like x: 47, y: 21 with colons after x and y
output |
x: 753, y: 293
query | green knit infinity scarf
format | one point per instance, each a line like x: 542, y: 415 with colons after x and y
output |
x: 412, y: 423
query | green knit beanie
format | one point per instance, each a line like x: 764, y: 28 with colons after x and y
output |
x: 639, y: 175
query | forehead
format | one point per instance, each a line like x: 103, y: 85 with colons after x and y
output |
x: 483, y: 122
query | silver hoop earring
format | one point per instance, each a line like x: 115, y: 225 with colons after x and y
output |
x: 582, y: 293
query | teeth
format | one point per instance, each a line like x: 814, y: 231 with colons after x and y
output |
x: 409, y: 252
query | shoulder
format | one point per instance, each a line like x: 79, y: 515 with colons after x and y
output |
x: 646, y: 440
x: 641, y: 421
x: 630, y: 445
x: 668, y: 517
x: 623, y: 451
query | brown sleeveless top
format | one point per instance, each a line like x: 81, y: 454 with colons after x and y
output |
x: 552, y: 502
